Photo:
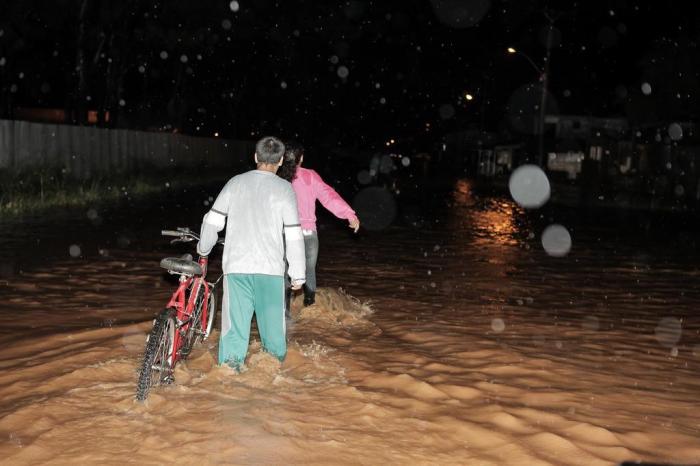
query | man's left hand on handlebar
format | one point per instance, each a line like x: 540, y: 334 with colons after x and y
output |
x: 204, y: 263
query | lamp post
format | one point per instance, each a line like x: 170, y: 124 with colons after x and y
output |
x: 544, y: 79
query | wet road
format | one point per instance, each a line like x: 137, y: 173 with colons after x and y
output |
x: 481, y: 348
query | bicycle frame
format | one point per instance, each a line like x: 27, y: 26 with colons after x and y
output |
x: 184, y: 304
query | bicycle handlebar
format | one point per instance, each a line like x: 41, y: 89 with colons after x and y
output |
x: 182, y: 235
x: 185, y: 235
x: 171, y: 233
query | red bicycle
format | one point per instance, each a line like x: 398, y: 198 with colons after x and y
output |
x: 186, y: 320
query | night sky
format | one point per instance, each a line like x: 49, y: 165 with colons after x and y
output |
x: 350, y: 73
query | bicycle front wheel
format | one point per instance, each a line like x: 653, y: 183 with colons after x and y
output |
x: 159, y: 359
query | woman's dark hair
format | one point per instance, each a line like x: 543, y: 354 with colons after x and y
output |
x: 292, y: 156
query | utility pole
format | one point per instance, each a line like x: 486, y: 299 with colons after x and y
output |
x: 544, y: 79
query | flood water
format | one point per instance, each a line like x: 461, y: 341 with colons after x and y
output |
x: 450, y: 337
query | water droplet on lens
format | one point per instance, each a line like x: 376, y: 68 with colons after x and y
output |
x: 497, y: 325
x: 556, y: 240
x: 529, y: 186
x: 668, y: 331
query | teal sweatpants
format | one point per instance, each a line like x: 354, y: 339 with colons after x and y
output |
x: 244, y: 294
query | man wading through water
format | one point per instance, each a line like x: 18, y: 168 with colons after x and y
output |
x: 262, y: 227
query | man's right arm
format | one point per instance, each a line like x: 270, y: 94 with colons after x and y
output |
x: 214, y: 221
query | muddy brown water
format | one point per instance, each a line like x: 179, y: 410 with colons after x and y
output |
x: 455, y: 340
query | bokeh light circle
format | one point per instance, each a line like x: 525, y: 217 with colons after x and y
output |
x: 497, y: 325
x: 74, y: 250
x: 668, y: 331
x: 529, y: 186
x: 556, y: 240
x: 675, y: 131
x: 376, y: 208
x: 460, y: 14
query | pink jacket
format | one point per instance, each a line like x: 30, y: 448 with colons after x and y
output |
x: 308, y: 187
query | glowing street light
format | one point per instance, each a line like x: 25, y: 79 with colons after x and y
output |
x: 513, y: 51
x: 468, y: 96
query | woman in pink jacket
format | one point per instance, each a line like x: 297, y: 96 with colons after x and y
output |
x: 309, y: 187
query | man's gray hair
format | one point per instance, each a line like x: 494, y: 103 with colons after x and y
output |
x: 269, y: 150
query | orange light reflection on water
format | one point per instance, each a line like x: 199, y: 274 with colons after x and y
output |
x: 491, y: 220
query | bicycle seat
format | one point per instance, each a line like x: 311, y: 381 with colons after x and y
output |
x: 184, y: 265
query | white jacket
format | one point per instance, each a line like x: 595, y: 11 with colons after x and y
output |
x: 259, y: 210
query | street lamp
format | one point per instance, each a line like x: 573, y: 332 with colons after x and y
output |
x: 513, y: 51
x: 543, y: 74
x: 544, y: 79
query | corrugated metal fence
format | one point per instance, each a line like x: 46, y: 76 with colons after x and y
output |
x: 83, y: 152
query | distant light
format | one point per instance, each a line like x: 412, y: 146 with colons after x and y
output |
x: 468, y: 96
x: 216, y: 135
x: 388, y: 143
x: 392, y: 141
x: 511, y: 50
